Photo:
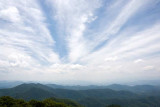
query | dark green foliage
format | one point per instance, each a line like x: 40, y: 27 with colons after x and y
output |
x: 67, y: 102
x: 7, y: 101
x: 52, y: 103
x: 36, y: 103
x: 113, y: 105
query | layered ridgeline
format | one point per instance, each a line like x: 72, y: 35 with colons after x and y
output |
x: 90, y: 96
x: 118, y: 87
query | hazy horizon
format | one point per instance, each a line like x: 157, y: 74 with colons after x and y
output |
x: 80, y: 41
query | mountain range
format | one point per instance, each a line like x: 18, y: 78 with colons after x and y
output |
x: 89, y: 96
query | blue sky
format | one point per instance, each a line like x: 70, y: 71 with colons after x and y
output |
x: 96, y: 41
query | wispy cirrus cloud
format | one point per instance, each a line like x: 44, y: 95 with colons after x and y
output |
x: 73, y: 17
x: 102, y: 40
x: 25, y: 39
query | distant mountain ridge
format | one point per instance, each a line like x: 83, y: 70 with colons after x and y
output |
x: 27, y: 90
x: 89, y: 97
x: 117, y: 87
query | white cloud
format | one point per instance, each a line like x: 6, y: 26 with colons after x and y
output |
x: 74, y: 15
x: 26, y: 41
x: 118, y: 20
x: 148, y: 67
x: 111, y: 58
x: 10, y: 14
x: 28, y: 46
x: 138, y: 60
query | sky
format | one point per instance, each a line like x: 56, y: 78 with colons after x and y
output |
x: 79, y: 41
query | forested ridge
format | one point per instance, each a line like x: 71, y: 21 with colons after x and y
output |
x: 104, y: 97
